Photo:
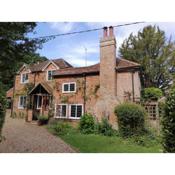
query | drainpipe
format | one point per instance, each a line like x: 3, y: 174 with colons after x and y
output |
x: 34, y: 78
x: 84, y: 98
x: 133, y: 90
x: 12, y: 100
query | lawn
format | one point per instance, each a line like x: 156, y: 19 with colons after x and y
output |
x: 95, y: 143
x: 103, y: 144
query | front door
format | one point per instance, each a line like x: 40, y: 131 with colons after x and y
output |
x: 37, y: 106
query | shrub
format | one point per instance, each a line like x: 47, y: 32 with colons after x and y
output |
x: 152, y: 93
x: 42, y: 119
x: 105, y: 128
x: 168, y: 122
x: 87, y: 124
x: 130, y: 119
x: 61, y: 128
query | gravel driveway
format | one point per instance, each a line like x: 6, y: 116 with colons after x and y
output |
x: 22, y: 137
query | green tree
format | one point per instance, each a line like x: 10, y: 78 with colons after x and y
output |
x: 168, y: 123
x: 154, y: 52
x: 16, y: 48
x: 2, y: 107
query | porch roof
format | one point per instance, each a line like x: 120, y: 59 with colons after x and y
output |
x: 38, y: 87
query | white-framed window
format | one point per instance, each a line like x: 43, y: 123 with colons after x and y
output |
x: 24, y: 78
x: 22, y: 102
x: 61, y: 111
x: 69, y: 87
x: 49, y: 75
x: 75, y: 111
x: 39, y: 102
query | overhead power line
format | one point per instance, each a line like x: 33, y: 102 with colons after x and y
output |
x: 83, y: 31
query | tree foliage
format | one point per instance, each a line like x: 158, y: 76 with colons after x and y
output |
x: 168, y: 123
x: 16, y: 48
x: 2, y: 107
x: 154, y: 52
x: 152, y: 93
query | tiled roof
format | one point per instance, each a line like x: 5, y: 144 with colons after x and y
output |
x: 120, y: 64
x: 78, y: 70
x: 44, y: 85
x: 61, y: 63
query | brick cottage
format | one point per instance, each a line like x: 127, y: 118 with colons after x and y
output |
x: 55, y: 86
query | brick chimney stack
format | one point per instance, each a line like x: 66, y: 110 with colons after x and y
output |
x: 108, y: 77
x: 105, y: 32
x: 108, y: 63
x: 111, y: 31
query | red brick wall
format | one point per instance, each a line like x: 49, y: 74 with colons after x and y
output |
x: 78, y: 97
x: 33, y: 77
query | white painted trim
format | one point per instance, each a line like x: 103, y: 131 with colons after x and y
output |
x: 21, y: 107
x: 61, y: 104
x: 22, y: 77
x: 47, y: 74
x: 50, y: 62
x: 69, y: 87
x: 22, y: 67
x: 70, y: 117
x: 55, y: 111
x: 37, y: 102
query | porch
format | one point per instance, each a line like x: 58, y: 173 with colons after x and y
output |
x: 39, y: 100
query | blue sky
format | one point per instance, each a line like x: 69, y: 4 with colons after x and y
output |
x: 72, y: 47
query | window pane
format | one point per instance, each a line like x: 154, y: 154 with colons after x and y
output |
x: 58, y: 110
x: 39, y: 101
x: 73, y: 110
x: 63, y: 110
x: 24, y: 101
x: 72, y: 87
x: 26, y: 78
x: 79, y: 111
x: 66, y: 87
x: 21, y: 101
x: 23, y: 77
x: 49, y: 75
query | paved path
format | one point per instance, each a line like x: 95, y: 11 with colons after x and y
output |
x: 22, y: 137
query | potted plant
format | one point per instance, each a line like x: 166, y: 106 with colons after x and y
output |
x: 42, y: 119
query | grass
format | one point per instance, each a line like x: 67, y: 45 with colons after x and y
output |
x: 93, y: 143
x: 103, y: 144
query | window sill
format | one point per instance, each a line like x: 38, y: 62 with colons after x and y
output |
x: 68, y: 92
x: 19, y: 107
x: 25, y: 82
x: 67, y: 118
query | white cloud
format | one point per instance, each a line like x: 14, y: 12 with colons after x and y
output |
x: 62, y: 26
x: 75, y: 50
x: 78, y: 52
x: 101, y: 24
x: 79, y: 61
x: 90, y: 48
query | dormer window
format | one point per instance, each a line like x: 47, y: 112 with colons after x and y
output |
x: 49, y: 75
x: 69, y: 87
x: 24, y: 78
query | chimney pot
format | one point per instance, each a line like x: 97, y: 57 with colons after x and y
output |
x: 105, y: 32
x: 111, y: 31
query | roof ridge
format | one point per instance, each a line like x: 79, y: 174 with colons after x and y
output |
x: 132, y: 62
x: 82, y: 67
